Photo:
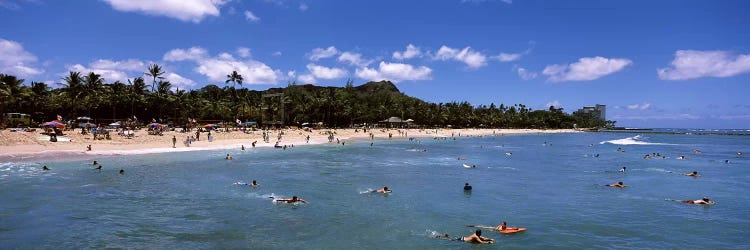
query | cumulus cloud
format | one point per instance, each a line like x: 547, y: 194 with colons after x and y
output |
x: 505, y: 57
x: 323, y: 72
x: 395, y: 72
x: 112, y: 71
x: 586, y: 69
x: 253, y: 72
x: 411, y: 52
x: 691, y: 64
x: 307, y: 79
x: 191, y: 54
x: 354, y: 59
x: 251, y: 17
x: 526, y: 75
x: 642, y: 106
x: 243, y: 52
x: 657, y: 117
x: 216, y: 68
x: 554, y: 103
x: 15, y: 60
x: 178, y: 81
x: 303, y: 7
x: 184, y: 10
x: 321, y: 53
x: 471, y: 58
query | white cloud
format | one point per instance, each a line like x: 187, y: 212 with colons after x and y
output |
x: 112, y: 71
x: 291, y: 74
x: 642, y: 106
x: 691, y: 64
x: 216, y: 68
x: 14, y: 60
x: 253, y: 72
x: 658, y: 117
x: 320, y: 53
x: 471, y: 58
x: 734, y: 117
x: 303, y: 7
x: 184, y: 10
x: 277, y: 53
x: 586, y: 69
x: 353, y: 59
x: 191, y: 54
x: 251, y: 17
x: 554, y: 103
x: 395, y: 72
x: 226, y: 56
x: 243, y: 52
x: 178, y: 81
x: 127, y: 65
x: 323, y: 72
x: 505, y: 57
x: 306, y: 79
x: 526, y: 75
x: 411, y: 52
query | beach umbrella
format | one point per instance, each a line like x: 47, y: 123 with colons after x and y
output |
x: 84, y: 118
x: 154, y: 125
x: 210, y: 126
x: 115, y: 124
x: 54, y: 124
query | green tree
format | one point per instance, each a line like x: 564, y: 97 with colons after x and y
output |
x: 155, y: 71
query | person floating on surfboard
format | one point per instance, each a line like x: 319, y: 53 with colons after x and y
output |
x: 618, y: 184
x: 692, y: 174
x: 477, y: 238
x: 294, y: 199
x: 504, y: 229
x: 383, y: 190
x: 704, y: 201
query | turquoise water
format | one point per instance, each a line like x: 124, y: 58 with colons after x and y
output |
x: 189, y: 200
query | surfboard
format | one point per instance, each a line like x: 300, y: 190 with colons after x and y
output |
x: 468, y: 166
x: 510, y: 230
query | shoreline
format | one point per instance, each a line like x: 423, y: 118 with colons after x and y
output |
x: 26, y: 146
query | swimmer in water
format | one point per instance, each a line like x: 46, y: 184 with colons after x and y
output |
x: 122, y: 171
x: 95, y: 163
x: 253, y: 184
x: 692, y: 174
x: 383, y: 190
x: 99, y: 168
x: 682, y: 157
x: 243, y: 147
x: 704, y: 201
x: 45, y: 168
x: 467, y: 187
x: 228, y: 157
x: 622, y: 170
x: 477, y: 238
x: 617, y: 185
x: 292, y: 200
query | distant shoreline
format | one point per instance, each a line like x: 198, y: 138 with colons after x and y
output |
x: 25, y: 146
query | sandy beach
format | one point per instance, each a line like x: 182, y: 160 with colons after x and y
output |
x: 21, y: 146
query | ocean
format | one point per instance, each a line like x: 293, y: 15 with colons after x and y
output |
x: 552, y: 184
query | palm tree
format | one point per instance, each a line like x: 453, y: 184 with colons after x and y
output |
x: 10, y: 86
x: 135, y: 92
x: 155, y: 71
x: 73, y: 88
x: 93, y: 84
x: 235, y: 78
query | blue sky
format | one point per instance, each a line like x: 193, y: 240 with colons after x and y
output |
x: 653, y: 63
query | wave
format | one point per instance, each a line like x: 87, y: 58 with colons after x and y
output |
x: 635, y: 140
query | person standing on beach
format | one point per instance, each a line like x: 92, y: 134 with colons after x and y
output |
x: 88, y: 148
x: 174, y: 141
x: 198, y: 135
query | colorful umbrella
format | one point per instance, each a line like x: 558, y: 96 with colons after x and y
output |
x: 54, y: 124
x: 154, y: 125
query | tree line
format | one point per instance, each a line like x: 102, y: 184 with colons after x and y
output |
x: 89, y: 95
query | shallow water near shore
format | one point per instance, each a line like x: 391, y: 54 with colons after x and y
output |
x: 551, y: 184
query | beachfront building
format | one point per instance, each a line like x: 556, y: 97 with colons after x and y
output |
x: 396, y: 122
x: 598, y: 111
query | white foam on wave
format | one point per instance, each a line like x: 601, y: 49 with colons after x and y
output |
x: 635, y: 140
x: 367, y: 191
